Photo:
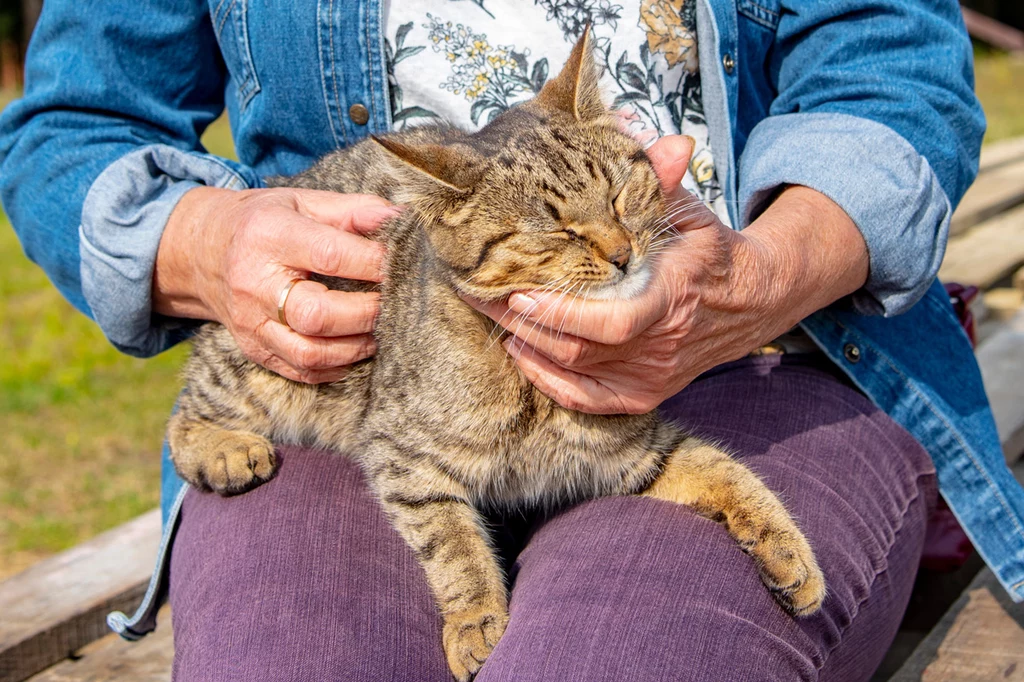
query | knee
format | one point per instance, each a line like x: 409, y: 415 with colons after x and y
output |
x: 300, y: 579
x: 628, y: 588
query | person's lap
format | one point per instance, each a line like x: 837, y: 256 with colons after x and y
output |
x: 303, y: 578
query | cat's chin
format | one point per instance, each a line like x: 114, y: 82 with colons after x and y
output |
x: 630, y: 286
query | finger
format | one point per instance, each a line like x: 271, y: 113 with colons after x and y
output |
x: 567, y: 388
x: 358, y: 213
x: 312, y: 309
x: 309, y: 246
x: 313, y: 376
x: 305, y: 353
x: 568, y: 350
x: 670, y: 156
x: 611, y: 322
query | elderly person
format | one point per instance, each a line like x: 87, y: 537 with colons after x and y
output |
x: 815, y: 343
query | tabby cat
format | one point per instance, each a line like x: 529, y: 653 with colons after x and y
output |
x: 550, y: 194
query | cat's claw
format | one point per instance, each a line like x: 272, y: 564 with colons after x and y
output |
x: 469, y: 636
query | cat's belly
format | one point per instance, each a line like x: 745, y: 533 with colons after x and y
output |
x: 561, y: 457
x: 565, y: 461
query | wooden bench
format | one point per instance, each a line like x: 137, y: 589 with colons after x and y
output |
x: 52, y: 616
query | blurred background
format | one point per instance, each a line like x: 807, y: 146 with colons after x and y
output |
x: 83, y: 424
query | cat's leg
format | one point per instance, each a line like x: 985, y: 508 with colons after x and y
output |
x: 214, y: 457
x: 448, y: 538
x: 717, y: 486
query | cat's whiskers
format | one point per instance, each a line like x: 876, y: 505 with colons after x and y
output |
x: 565, y: 315
x: 501, y: 326
x: 550, y: 312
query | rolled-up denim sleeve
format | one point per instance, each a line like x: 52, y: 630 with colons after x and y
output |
x: 123, y: 219
x: 104, y: 143
x: 876, y: 110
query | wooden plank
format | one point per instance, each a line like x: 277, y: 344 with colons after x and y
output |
x: 61, y: 603
x: 981, y: 638
x: 987, y: 253
x: 112, y: 658
x: 1001, y: 358
x: 999, y: 154
x: 993, y: 32
x: 994, y: 192
x: 1002, y: 303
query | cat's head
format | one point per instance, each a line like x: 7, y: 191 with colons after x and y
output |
x: 549, y: 195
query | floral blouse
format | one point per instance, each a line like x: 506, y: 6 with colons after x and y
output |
x: 466, y: 61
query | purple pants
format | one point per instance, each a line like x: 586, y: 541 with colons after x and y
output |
x: 303, y: 578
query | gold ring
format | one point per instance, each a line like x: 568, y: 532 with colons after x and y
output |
x: 281, y: 317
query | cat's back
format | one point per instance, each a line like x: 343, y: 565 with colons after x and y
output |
x: 364, y: 167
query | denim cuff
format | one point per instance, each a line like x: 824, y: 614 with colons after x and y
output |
x: 123, y: 218
x: 876, y: 176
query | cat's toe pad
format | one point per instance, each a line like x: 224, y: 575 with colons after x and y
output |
x: 469, y: 637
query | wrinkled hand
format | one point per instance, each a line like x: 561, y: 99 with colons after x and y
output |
x: 716, y: 294
x: 228, y: 256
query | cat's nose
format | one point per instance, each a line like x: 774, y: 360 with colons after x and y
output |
x: 620, y: 257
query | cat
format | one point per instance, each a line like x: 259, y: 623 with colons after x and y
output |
x: 550, y: 194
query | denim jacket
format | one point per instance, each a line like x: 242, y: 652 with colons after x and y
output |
x: 868, y: 101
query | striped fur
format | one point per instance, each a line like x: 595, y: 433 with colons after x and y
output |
x: 549, y: 195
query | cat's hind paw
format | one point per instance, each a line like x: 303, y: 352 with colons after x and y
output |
x: 469, y: 636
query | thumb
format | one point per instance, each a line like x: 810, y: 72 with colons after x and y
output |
x: 670, y: 157
x: 357, y: 213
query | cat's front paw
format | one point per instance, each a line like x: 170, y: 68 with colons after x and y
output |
x: 469, y: 636
x: 226, y: 462
x: 790, y: 571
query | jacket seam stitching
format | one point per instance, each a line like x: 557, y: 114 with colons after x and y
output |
x: 323, y: 76
x: 224, y: 17
x: 334, y: 72
x: 251, y: 85
x: 771, y: 23
x: 372, y: 63
x: 220, y: 4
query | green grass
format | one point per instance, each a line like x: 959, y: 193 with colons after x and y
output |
x: 999, y: 82
x: 83, y: 424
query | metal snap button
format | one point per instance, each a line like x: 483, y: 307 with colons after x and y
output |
x: 358, y: 114
x: 851, y: 353
x: 728, y: 62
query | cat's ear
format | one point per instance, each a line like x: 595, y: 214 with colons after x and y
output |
x: 575, y: 89
x: 449, y: 169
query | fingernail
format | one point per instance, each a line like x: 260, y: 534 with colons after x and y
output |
x: 521, y: 302
x: 693, y: 142
x: 385, y: 211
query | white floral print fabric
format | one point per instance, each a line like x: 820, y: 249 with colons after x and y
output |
x: 466, y: 61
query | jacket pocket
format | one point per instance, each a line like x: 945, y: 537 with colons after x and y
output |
x: 764, y: 12
x: 231, y: 25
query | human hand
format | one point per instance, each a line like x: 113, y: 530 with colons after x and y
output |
x: 228, y: 256
x: 715, y: 295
